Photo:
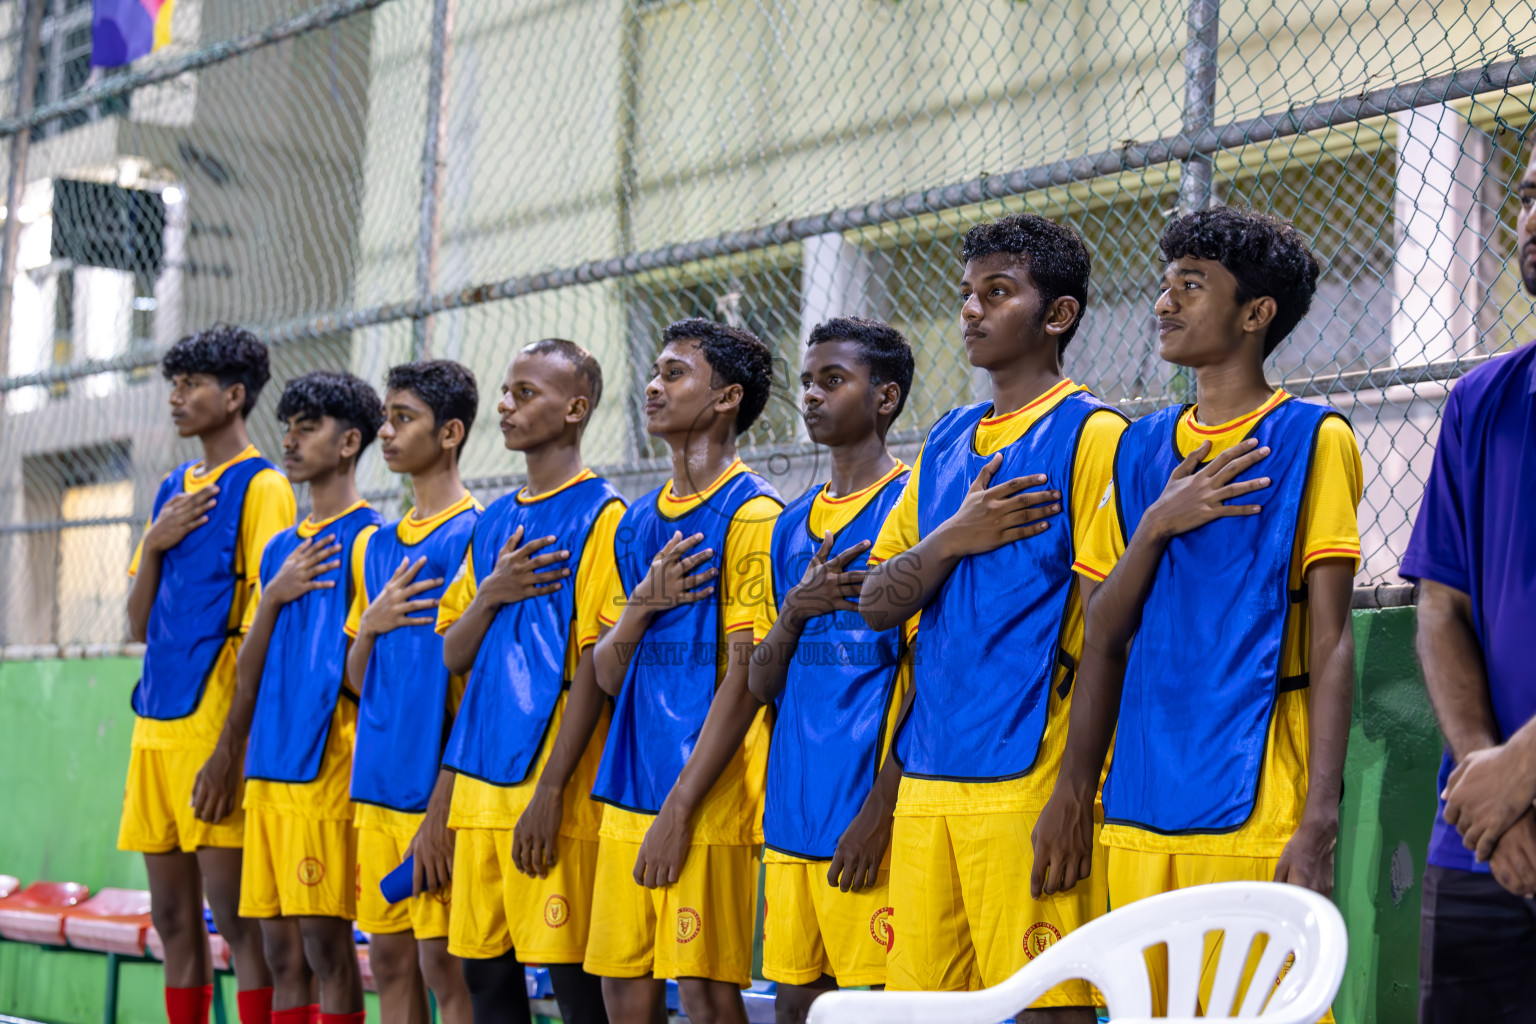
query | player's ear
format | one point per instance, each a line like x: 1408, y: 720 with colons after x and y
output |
x: 1258, y: 314
x: 234, y: 397
x: 451, y: 434
x: 350, y: 443
x: 728, y: 398
x: 577, y: 409
x: 889, y: 395
x: 1061, y: 314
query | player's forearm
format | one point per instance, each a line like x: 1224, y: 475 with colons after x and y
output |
x: 1454, y: 673
x: 248, y: 667
x: 358, y: 653
x: 1091, y: 724
x: 1110, y: 620
x: 725, y: 726
x: 1331, y: 692
x: 141, y: 593
x: 583, y: 707
x: 900, y: 587
x: 618, y: 645
x: 771, y: 659
x: 461, y: 643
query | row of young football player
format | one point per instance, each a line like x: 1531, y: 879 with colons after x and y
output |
x: 339, y: 696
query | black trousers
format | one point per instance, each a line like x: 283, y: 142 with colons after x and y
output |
x: 1477, y: 951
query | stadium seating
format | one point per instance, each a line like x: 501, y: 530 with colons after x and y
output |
x: 112, y: 921
x: 1109, y: 953
x: 36, y: 913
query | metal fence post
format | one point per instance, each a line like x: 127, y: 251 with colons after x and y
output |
x: 26, y: 78
x: 430, y: 229
x: 1204, y: 19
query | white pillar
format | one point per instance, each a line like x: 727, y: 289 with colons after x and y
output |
x: 1434, y: 275
x: 837, y: 278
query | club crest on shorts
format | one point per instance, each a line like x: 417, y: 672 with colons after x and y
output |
x: 1039, y: 938
x: 311, y: 871
x: 557, y: 911
x: 881, y: 928
x: 689, y: 924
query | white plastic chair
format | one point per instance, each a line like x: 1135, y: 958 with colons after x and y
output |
x: 1109, y: 953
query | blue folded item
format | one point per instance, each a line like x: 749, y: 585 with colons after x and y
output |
x: 396, y: 885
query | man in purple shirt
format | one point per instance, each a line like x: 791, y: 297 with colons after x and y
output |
x: 1473, y: 552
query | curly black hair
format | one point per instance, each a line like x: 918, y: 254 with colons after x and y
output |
x: 1266, y: 254
x: 736, y: 356
x: 349, y: 400
x: 883, y: 348
x: 232, y: 354
x: 448, y: 389
x: 1054, y: 254
x: 588, y: 370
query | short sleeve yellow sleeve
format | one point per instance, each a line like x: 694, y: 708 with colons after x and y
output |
x: 899, y: 532
x: 747, y: 569
x: 1330, y: 527
x: 597, y: 576
x: 1095, y: 524
x: 269, y: 510
x: 248, y: 615
x: 767, y: 615
x: 360, y: 598
x: 138, y: 549
x: 613, y: 599
x: 458, y: 595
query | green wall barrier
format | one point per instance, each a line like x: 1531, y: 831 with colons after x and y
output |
x: 65, y: 727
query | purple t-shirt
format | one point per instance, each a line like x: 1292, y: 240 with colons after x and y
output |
x: 1475, y: 534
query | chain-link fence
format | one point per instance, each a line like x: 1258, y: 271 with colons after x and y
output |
x: 361, y: 180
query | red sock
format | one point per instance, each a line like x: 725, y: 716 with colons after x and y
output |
x: 344, y: 1018
x: 188, y: 1005
x: 255, y: 1005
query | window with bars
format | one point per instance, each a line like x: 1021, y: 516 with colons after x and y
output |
x: 64, y: 67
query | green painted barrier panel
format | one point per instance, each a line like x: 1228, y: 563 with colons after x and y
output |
x: 65, y: 728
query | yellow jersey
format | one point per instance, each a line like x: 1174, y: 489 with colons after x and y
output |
x: 269, y: 509
x: 1327, y: 529
x: 732, y: 811
x: 1092, y: 471
x: 484, y: 805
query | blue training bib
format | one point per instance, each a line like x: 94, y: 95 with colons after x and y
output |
x: 1204, y: 667
x: 830, y: 718
x: 401, y: 715
x: 989, y: 642
x: 671, y: 677
x: 306, y: 664
x: 190, y: 619
x: 519, y: 671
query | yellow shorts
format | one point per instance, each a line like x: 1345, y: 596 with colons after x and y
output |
x: 811, y: 928
x: 496, y: 907
x: 295, y: 866
x: 157, y: 805
x: 1134, y: 875
x: 964, y: 918
x: 379, y: 852
x: 700, y: 927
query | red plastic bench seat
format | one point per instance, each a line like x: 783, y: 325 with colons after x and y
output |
x: 370, y: 984
x: 36, y: 913
x: 112, y: 921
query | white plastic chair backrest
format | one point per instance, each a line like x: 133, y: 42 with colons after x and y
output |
x: 1109, y: 953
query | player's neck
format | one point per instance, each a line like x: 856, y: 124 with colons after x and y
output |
x: 1230, y: 388
x: 698, y: 460
x: 333, y: 493
x: 225, y: 442
x: 859, y: 465
x: 549, y: 466
x: 438, y: 487
x: 1014, y: 387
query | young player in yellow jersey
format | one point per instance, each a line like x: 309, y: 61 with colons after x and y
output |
x: 294, y: 715
x: 838, y: 687
x: 1219, y: 637
x: 522, y: 618
x: 408, y: 695
x: 1001, y: 624
x: 192, y: 579
x: 675, y: 640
